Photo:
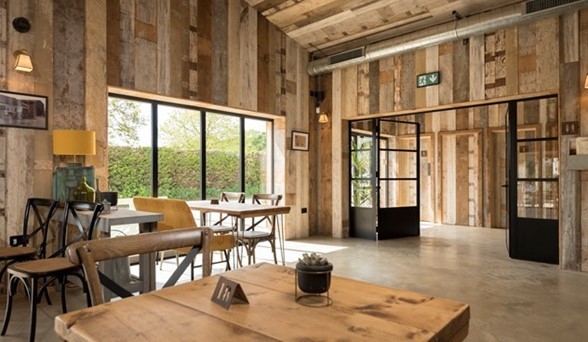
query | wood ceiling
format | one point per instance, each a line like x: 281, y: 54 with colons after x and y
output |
x: 331, y: 26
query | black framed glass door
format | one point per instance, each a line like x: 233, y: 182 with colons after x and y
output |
x: 384, y: 176
x: 397, y: 179
x: 533, y: 187
x: 362, y: 177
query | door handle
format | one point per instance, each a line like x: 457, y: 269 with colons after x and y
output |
x: 504, y: 185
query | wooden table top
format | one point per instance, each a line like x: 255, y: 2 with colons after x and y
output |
x: 241, y: 210
x: 360, y: 311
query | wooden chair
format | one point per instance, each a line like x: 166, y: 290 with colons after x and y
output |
x: 250, y: 237
x: 43, y: 210
x: 55, y: 267
x: 221, y: 227
x: 87, y: 253
x: 177, y: 215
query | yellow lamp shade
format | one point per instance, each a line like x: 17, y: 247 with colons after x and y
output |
x: 323, y: 118
x: 23, y: 61
x: 74, y: 142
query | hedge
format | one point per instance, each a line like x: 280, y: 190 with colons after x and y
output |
x: 129, y: 172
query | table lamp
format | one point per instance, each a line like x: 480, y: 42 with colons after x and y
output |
x: 72, y: 143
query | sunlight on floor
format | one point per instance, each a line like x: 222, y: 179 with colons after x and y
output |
x: 293, y: 251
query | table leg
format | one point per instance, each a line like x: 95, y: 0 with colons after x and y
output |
x: 281, y: 237
x: 147, y: 261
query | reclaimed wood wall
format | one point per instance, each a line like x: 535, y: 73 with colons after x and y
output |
x: 25, y: 155
x: 225, y: 53
x: 549, y: 55
x: 220, y: 52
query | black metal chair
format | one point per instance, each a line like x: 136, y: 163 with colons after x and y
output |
x: 36, y: 275
x: 21, y: 248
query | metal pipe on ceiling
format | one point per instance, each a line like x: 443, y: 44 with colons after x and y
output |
x: 475, y: 25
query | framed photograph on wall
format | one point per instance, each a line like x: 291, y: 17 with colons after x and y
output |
x: 23, y: 110
x: 299, y: 141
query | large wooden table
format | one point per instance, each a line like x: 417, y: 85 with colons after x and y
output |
x: 360, y: 311
x: 242, y: 211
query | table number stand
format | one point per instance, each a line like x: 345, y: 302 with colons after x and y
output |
x: 228, y: 292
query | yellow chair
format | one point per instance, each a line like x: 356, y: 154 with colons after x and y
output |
x: 177, y: 215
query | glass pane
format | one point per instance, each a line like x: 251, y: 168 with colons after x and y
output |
x: 129, y: 149
x: 539, y: 117
x: 179, y: 152
x: 396, y: 128
x: 538, y: 159
x: 361, y: 193
x: 222, y: 154
x: 398, y: 194
x: 361, y: 164
x: 258, y: 168
x: 362, y: 128
x: 537, y: 200
x: 361, y: 142
x: 395, y: 164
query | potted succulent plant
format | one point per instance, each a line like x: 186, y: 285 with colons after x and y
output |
x: 313, y: 273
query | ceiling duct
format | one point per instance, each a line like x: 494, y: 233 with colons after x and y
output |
x: 464, y: 28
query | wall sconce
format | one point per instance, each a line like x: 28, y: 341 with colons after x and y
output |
x: 319, y: 97
x: 22, y: 61
x: 586, y: 82
x: 323, y: 118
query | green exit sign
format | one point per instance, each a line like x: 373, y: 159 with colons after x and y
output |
x: 428, y: 79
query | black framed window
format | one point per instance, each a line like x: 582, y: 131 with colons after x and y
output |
x: 167, y: 150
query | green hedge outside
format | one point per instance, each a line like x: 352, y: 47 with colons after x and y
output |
x: 129, y: 172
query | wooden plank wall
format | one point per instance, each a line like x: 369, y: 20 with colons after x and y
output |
x: 218, y: 51
x: 515, y: 61
x: 583, y: 54
x: 25, y: 155
x: 221, y: 52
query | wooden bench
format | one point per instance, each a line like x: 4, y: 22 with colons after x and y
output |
x: 87, y: 253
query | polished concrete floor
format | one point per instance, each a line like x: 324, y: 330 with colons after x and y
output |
x: 510, y: 300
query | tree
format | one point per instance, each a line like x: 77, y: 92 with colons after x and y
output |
x: 124, y: 122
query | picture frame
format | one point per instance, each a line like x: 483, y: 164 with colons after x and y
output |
x: 23, y: 110
x: 300, y: 141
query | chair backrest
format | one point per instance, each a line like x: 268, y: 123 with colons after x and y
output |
x: 233, y: 197
x: 87, y: 253
x: 271, y: 199
x: 84, y: 229
x: 176, y: 213
x: 43, y: 210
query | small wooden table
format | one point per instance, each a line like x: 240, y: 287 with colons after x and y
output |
x: 360, y: 311
x: 242, y: 211
x: 147, y: 223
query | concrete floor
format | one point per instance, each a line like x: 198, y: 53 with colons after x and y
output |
x: 510, y: 300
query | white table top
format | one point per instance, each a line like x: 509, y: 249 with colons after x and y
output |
x: 120, y: 217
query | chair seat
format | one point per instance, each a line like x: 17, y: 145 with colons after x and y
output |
x: 41, y: 267
x: 253, y: 234
x: 221, y: 229
x: 16, y: 252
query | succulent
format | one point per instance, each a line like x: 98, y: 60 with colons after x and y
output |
x: 313, y: 259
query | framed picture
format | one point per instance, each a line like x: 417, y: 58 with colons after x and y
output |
x: 299, y: 141
x: 23, y: 110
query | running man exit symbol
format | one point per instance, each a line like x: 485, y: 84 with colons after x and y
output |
x: 431, y: 78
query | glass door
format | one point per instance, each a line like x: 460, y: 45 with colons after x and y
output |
x: 533, y: 187
x: 397, y: 179
x: 362, y: 177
